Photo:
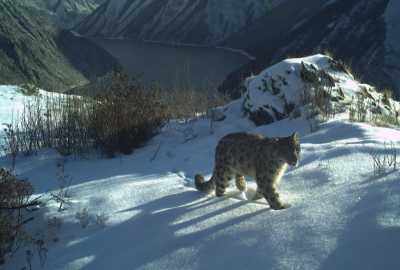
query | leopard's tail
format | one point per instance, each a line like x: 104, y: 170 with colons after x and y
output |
x: 202, y: 185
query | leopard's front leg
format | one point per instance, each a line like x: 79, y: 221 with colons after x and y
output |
x: 267, y: 188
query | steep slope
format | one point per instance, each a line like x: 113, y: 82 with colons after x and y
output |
x: 194, y: 21
x: 65, y: 13
x: 352, y: 30
x: 392, y: 41
x: 34, y: 50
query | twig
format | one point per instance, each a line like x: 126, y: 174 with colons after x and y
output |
x: 17, y: 207
x: 156, y: 153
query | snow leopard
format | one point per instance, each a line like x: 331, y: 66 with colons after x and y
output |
x: 245, y: 154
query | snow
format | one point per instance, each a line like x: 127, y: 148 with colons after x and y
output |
x: 12, y: 102
x: 392, y: 42
x: 287, y: 74
x: 341, y: 215
x: 282, y: 84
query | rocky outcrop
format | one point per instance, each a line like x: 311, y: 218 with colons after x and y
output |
x: 315, y: 85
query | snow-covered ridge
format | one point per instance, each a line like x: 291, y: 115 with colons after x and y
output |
x: 279, y: 91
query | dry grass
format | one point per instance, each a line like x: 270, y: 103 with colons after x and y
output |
x: 123, y: 117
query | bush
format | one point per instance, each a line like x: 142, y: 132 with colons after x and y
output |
x: 126, y: 116
x: 14, y: 198
x: 122, y: 118
x: 186, y: 103
x: 365, y: 108
x: 385, y: 161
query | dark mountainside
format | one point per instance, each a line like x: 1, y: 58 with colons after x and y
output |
x: 32, y: 49
x: 196, y: 22
x: 65, y: 13
x: 352, y: 30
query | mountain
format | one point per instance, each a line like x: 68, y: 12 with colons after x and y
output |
x: 392, y: 42
x: 183, y: 21
x: 32, y: 49
x: 362, y: 33
x: 66, y: 13
x: 354, y: 31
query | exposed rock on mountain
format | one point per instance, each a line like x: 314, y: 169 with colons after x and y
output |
x: 34, y: 50
x: 194, y: 21
x: 65, y: 13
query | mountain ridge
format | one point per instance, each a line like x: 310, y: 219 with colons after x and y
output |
x: 199, y: 21
x: 353, y: 31
x: 34, y: 50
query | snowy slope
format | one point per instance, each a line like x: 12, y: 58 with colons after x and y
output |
x: 195, y: 21
x: 12, y: 100
x: 341, y: 215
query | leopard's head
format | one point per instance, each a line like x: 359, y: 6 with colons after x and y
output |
x: 290, y: 147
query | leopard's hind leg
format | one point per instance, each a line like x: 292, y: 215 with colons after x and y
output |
x: 222, y: 177
x: 241, y: 182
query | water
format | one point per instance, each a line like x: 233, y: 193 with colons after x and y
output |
x: 174, y: 66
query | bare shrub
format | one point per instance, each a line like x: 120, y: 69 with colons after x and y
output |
x: 52, y: 121
x: 359, y: 109
x: 317, y: 102
x: 83, y: 217
x: 64, y: 182
x: 10, y: 144
x: 120, y: 119
x: 101, y: 219
x: 187, y: 103
x: 126, y: 116
x: 364, y: 108
x: 386, y: 161
x: 14, y: 200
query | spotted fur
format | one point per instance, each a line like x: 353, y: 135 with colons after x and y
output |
x: 265, y: 159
